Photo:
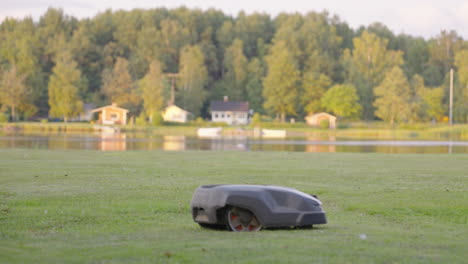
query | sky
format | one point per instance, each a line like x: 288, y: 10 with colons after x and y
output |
x: 426, y: 18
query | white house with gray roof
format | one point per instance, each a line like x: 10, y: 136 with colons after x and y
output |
x: 230, y: 112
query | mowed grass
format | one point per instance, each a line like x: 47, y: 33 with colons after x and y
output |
x: 133, y: 207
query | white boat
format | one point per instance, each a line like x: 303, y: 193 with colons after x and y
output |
x: 107, y: 129
x: 209, y: 131
x: 270, y: 133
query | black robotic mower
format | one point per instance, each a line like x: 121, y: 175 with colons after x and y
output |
x: 253, y: 207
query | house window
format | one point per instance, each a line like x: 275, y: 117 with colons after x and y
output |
x: 216, y: 115
x: 114, y: 116
x: 228, y: 115
x: 222, y: 115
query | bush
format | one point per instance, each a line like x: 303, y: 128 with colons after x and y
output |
x: 29, y: 111
x: 342, y: 125
x: 324, y: 124
x: 266, y: 118
x: 199, y: 120
x: 141, y: 120
x: 3, y: 118
x: 157, y: 120
x: 256, y: 119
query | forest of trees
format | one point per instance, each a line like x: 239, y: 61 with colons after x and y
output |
x: 286, y: 66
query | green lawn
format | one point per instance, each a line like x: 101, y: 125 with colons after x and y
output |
x: 133, y: 207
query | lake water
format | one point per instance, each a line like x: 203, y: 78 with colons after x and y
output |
x: 142, y: 141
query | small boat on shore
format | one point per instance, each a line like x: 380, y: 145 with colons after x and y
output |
x: 270, y: 133
x: 209, y: 131
x: 106, y: 129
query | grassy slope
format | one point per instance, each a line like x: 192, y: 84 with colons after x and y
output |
x: 86, y: 206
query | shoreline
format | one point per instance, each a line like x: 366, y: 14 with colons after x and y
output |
x: 355, y: 130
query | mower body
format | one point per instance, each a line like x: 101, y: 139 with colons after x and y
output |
x: 273, y: 206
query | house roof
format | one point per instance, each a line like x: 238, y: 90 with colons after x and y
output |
x: 235, y: 106
x: 177, y: 108
x: 112, y: 106
x: 320, y: 114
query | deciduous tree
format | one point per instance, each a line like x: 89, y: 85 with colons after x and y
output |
x: 461, y: 93
x: 442, y: 50
x: 152, y: 87
x: 20, y: 47
x: 119, y: 87
x: 254, y: 86
x: 250, y: 28
x: 342, y: 100
x: 173, y: 36
x: 87, y: 54
x: 393, y: 101
x: 64, y: 87
x: 280, y: 84
x: 415, y: 54
x: 193, y: 78
x: 428, y: 101
x: 314, y: 85
x: 13, y: 91
x: 235, y: 66
x: 367, y: 65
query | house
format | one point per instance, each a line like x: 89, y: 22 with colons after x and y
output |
x: 173, y: 113
x: 230, y: 112
x: 316, y: 119
x: 111, y: 115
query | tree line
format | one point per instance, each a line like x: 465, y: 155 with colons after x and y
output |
x: 287, y: 66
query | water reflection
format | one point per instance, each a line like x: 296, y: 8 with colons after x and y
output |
x: 111, y: 141
x: 228, y: 143
x: 320, y: 148
x: 117, y: 141
x: 173, y: 143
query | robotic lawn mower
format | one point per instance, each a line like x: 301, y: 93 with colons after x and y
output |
x: 253, y: 207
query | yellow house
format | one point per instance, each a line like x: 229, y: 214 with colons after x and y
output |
x: 173, y: 113
x: 111, y: 115
x: 315, y: 119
